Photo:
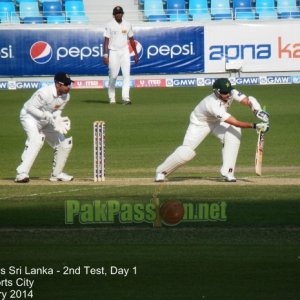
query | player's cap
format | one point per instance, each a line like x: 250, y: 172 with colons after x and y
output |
x: 118, y: 10
x: 222, y: 85
x: 63, y: 78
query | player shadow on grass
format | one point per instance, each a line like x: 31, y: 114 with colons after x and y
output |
x: 95, y: 101
x: 13, y: 178
x: 214, y: 179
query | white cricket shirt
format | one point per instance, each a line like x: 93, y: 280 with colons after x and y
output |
x: 45, y: 99
x: 118, y: 34
x: 211, y: 109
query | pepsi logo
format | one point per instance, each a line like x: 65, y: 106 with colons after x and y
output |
x: 41, y: 52
x: 139, y: 49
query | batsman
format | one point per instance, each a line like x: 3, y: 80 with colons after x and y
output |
x: 211, y: 116
x: 42, y: 121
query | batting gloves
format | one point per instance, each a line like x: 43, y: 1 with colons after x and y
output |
x: 262, y: 115
x: 261, y: 127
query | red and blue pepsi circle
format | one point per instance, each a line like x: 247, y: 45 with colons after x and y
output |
x: 41, y: 52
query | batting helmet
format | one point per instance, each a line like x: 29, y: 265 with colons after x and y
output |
x: 222, y: 86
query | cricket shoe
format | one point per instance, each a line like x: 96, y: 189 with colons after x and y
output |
x: 160, y: 177
x: 126, y: 102
x: 61, y: 177
x: 229, y: 178
x: 112, y: 101
x: 22, y: 178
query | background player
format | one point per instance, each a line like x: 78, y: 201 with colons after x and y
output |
x: 40, y: 118
x: 116, y: 53
x: 211, y: 116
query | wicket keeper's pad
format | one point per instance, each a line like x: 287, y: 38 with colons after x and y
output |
x: 61, y: 154
x: 99, y: 150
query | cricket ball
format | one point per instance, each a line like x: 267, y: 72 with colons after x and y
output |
x: 171, y: 212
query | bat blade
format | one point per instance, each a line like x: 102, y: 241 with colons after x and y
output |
x: 259, y: 153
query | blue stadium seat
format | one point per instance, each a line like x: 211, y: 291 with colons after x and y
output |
x: 74, y: 8
x: 20, y: 1
x: 178, y: 17
x: 7, y: 7
x: 29, y: 9
x: 158, y: 18
x: 176, y: 10
x: 243, y: 10
x: 53, y: 8
x: 56, y: 19
x: 153, y: 7
x: 33, y: 20
x: 8, y: 13
x: 287, y: 15
x: 287, y: 9
x: 175, y: 7
x: 265, y: 9
x: 220, y: 10
x: 198, y: 10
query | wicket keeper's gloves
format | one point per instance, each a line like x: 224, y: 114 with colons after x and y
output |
x: 262, y: 115
x: 62, y: 124
x: 261, y: 127
x: 48, y: 117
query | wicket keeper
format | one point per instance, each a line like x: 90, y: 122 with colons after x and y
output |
x: 41, y: 119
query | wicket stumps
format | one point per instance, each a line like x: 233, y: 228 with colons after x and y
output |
x: 99, y: 150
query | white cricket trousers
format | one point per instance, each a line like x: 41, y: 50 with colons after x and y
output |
x: 230, y: 137
x: 36, y: 135
x: 119, y: 59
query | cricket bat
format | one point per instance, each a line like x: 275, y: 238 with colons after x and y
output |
x: 259, y: 151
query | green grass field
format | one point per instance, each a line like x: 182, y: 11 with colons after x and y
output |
x: 253, y: 254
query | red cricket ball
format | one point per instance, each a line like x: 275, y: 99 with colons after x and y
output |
x: 171, y: 212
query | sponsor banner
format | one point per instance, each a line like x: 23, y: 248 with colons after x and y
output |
x: 87, y: 84
x: 3, y: 85
x: 208, y: 81
x: 181, y: 82
x: 268, y: 80
x: 19, y: 85
x: 168, y: 50
x: 169, y: 82
x: 247, y: 80
x: 295, y: 79
x: 140, y: 83
x: 161, y: 82
x: 118, y: 84
x: 38, y: 52
x: 254, y: 47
